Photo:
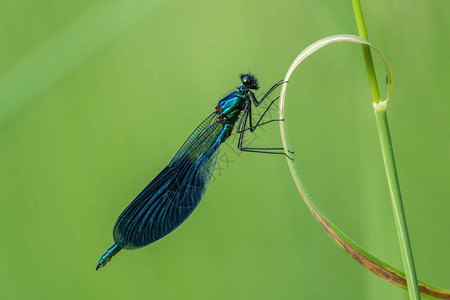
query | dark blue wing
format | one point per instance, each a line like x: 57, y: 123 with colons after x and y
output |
x: 174, y: 194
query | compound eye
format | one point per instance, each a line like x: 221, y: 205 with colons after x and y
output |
x: 247, y: 80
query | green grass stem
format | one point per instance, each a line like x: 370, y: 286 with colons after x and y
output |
x: 389, y: 161
x: 366, y: 51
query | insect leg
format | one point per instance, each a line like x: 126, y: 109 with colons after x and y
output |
x: 241, y: 130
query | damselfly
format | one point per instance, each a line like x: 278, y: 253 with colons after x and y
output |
x: 173, y: 195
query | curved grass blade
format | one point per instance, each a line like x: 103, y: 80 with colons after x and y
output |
x: 369, y: 261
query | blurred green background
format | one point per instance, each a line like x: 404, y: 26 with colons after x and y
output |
x: 97, y: 96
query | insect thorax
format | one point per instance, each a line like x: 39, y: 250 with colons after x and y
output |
x: 231, y: 106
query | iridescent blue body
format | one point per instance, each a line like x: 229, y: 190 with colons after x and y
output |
x: 175, y: 192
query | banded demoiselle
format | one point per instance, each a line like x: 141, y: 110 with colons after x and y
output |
x: 172, y: 196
